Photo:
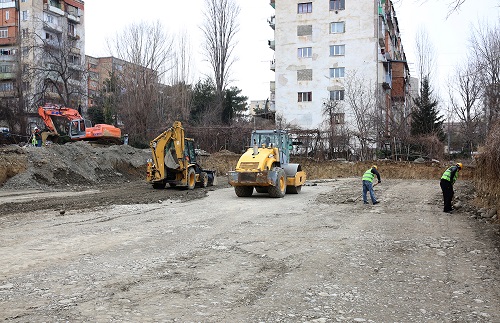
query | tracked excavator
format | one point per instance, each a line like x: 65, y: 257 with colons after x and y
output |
x: 66, y: 124
x: 174, y: 161
x: 266, y: 167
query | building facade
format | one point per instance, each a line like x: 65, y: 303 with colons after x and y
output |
x: 42, y: 46
x: 325, y: 48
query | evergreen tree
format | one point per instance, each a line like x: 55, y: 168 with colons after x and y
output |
x: 426, y: 119
x: 234, y: 104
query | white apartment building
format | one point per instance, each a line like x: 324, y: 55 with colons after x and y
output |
x: 319, y: 43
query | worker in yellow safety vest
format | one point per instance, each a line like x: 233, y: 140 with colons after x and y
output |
x: 368, y: 177
x: 449, y: 178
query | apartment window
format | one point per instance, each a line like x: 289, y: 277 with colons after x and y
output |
x: 5, y: 68
x: 74, y: 59
x: 306, y: 7
x: 23, y: 0
x: 304, y: 52
x: 24, y: 33
x: 8, y: 86
x: 305, y: 96
x: 337, y: 50
x: 24, y: 15
x: 337, y: 95
x: 337, y: 4
x: 4, y: 33
x: 7, y: 15
x: 71, y: 29
x: 25, y: 51
x: 337, y: 27
x: 7, y: 51
x: 50, y: 19
x: 337, y: 72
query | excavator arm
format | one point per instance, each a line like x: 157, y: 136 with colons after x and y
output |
x: 168, y: 150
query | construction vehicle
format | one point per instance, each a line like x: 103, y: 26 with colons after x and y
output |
x: 66, y: 124
x: 266, y: 167
x: 174, y: 161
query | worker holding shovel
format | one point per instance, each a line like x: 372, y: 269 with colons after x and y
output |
x: 368, y: 177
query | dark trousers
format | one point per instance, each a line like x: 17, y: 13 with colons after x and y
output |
x: 447, y: 189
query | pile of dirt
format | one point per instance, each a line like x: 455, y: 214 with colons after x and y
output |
x: 79, y: 165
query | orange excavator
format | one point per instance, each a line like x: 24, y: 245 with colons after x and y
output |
x: 66, y: 124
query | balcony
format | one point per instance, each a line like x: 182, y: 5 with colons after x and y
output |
x: 272, y: 4
x: 53, y: 9
x: 52, y: 27
x: 273, y: 65
x: 73, y: 18
x: 381, y: 32
x: 7, y: 76
x: 272, y: 86
x: 272, y: 22
x: 9, y: 4
x: 271, y: 44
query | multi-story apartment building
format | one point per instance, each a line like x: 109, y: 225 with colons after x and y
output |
x: 42, y: 44
x: 323, y: 46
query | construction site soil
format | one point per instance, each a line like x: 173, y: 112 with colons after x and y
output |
x: 84, y: 238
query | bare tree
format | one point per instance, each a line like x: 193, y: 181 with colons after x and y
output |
x: 362, y: 101
x: 55, y: 72
x: 180, y: 94
x: 219, y: 29
x: 485, y: 43
x: 145, y: 50
x: 465, y: 95
x: 426, y: 54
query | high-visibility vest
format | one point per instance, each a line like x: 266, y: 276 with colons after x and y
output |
x: 447, y: 175
x: 368, y: 176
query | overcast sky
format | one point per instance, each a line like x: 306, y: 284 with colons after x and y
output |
x: 251, y: 71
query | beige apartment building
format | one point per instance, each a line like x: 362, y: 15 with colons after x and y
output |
x: 321, y: 45
x: 42, y: 46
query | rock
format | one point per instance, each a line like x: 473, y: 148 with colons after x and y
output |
x: 488, y: 214
x: 419, y: 160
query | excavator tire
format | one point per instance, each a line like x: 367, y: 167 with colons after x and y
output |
x: 293, y: 189
x: 191, y: 178
x: 243, y: 191
x: 203, y: 180
x: 279, y: 189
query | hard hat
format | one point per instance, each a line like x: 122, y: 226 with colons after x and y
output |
x: 374, y: 166
x: 459, y: 165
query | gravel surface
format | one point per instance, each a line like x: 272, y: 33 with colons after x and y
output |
x: 208, y: 256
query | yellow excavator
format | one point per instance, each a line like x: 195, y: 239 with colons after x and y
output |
x: 266, y: 167
x: 174, y: 162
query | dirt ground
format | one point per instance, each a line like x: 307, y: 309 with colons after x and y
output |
x: 125, y: 252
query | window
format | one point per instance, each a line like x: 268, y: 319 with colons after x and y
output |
x: 305, y: 96
x: 8, y: 86
x: 74, y: 59
x: 50, y: 19
x: 337, y: 50
x: 304, y: 52
x: 5, y: 68
x: 71, y: 29
x: 337, y: 95
x: 337, y: 72
x: 6, y: 15
x: 337, y: 27
x: 4, y: 33
x: 306, y: 7
x: 23, y: 0
x: 24, y: 15
x: 7, y: 51
x: 337, y: 4
x: 24, y: 33
x: 25, y: 51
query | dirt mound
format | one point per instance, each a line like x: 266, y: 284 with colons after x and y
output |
x: 78, y: 165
